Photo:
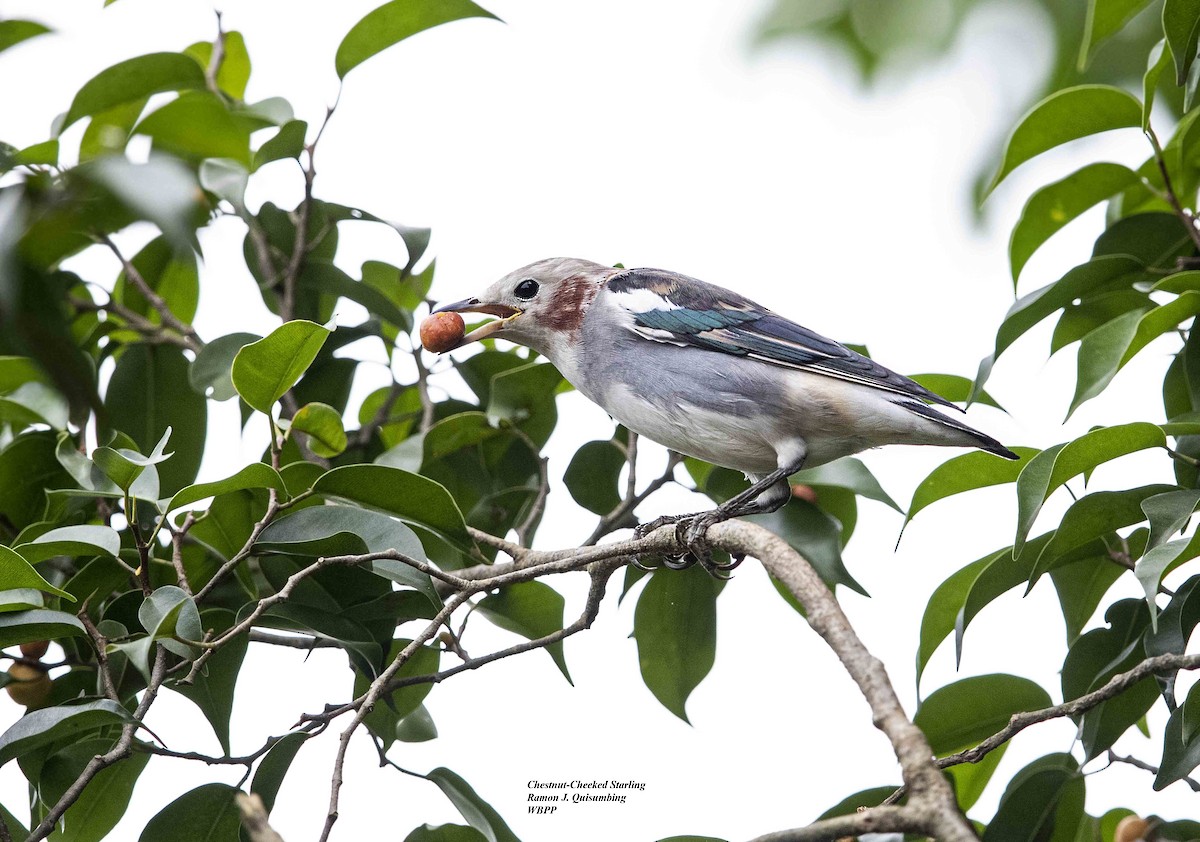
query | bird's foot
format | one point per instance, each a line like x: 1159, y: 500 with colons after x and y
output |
x: 691, y: 533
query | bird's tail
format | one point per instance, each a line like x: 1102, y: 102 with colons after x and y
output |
x: 981, y: 440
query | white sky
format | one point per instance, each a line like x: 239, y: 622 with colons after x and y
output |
x: 650, y: 134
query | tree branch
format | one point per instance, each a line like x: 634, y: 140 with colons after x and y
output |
x: 169, y: 319
x: 117, y: 753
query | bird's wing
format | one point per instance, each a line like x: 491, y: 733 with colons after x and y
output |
x: 678, y: 310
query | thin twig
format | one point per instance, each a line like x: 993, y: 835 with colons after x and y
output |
x: 216, y: 60
x: 1113, y: 757
x: 1172, y: 197
x: 169, y: 319
x: 117, y: 753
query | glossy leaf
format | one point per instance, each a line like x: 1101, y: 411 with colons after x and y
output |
x: 1055, y: 205
x: 1090, y: 518
x: 287, y: 143
x: 963, y: 714
x: 149, y: 394
x: 1160, y: 57
x: 445, y: 833
x: 235, y: 63
x: 1105, y: 18
x: 132, y: 80
x: 211, y: 371
x: 592, y: 476
x: 254, y: 475
x: 273, y: 768
x: 37, y: 624
x: 1050, y: 469
x: 392, y: 22
x: 390, y: 710
x: 199, y: 125
x: 1081, y: 586
x: 14, y: 31
x: 1181, y: 753
x: 323, y: 426
x: 966, y: 473
x: 945, y: 603
x: 105, y: 799
x: 848, y: 473
x: 345, y: 530
x: 409, y: 496
x: 675, y: 625
x: 417, y: 727
x: 1181, y: 23
x: 1031, y: 807
x: 17, y: 573
x: 212, y: 691
x: 478, y: 813
x: 207, y: 813
x: 532, y: 610
x: 38, y: 728
x: 1064, y: 116
x: 954, y: 387
x: 263, y: 371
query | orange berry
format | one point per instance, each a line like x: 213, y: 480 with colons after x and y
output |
x: 441, y: 332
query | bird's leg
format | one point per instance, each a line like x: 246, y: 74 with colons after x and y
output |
x: 767, y: 495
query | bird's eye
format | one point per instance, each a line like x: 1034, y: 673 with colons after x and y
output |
x: 527, y: 289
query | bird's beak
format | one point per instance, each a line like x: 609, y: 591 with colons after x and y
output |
x: 503, y: 313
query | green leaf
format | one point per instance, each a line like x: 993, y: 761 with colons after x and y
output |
x: 1177, y: 622
x: 675, y: 625
x: 323, y: 426
x: 212, y: 691
x: 263, y: 371
x: 167, y: 613
x: 104, y: 801
x: 1081, y: 586
x: 383, y: 720
x: 1100, y: 354
x: 1067, y: 115
x: 39, y: 728
x: 108, y: 131
x: 945, y: 603
x: 328, y: 279
x: 392, y: 22
x: 1090, y: 518
x: 848, y: 473
x: 1168, y: 513
x: 1105, y: 18
x: 149, y: 393
x: 89, y: 539
x: 417, y: 727
x: 207, y: 813
x: 346, y: 530
x: 1078, y: 320
x: 1106, y: 350
x: 134, y: 79
x: 445, y: 833
x: 966, y: 473
x: 1050, y: 469
x: 593, y: 474
x: 1181, y: 24
x: 963, y: 714
x: 525, y: 396
x: 171, y: 274
x: 124, y: 466
x: 1052, y: 207
x: 1160, y: 57
x: 211, y: 372
x: 532, y: 610
x: 254, y: 475
x: 234, y: 72
x: 1181, y: 751
x: 14, y: 31
x: 37, y: 624
x: 1094, y: 659
x: 198, y: 125
x: 226, y: 179
x: 162, y: 191
x: 1031, y: 809
x: 478, y: 813
x: 268, y: 778
x: 971, y: 779
x: 859, y: 801
x: 410, y: 497
x: 17, y: 573
x: 288, y: 142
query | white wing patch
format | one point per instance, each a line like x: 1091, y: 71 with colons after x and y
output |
x: 642, y: 301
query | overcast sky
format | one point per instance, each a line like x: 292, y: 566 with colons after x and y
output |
x: 651, y: 134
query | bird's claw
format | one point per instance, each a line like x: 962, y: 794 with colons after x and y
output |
x: 691, y: 533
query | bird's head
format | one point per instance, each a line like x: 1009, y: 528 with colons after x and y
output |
x: 541, y: 305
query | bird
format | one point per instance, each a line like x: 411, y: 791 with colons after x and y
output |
x: 706, y: 372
